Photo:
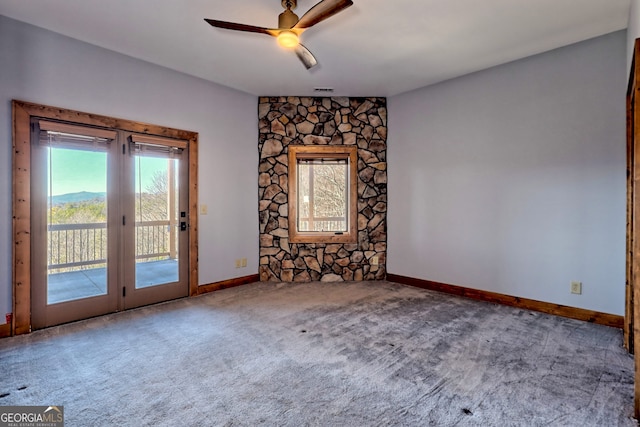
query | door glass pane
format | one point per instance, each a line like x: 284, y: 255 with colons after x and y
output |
x: 157, y: 220
x: 76, y: 224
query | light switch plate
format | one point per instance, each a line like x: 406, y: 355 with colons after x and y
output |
x: 576, y: 287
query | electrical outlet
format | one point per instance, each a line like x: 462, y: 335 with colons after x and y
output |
x: 238, y: 263
x: 243, y: 262
x: 576, y: 287
x: 374, y: 260
x: 204, y: 209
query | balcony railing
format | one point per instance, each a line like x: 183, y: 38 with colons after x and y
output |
x: 78, y: 246
x: 322, y: 224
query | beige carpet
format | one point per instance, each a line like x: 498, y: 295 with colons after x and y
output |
x: 349, y: 354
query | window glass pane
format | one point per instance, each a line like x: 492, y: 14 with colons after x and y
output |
x: 322, y: 196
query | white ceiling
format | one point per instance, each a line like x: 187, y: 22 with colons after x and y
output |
x: 373, y: 48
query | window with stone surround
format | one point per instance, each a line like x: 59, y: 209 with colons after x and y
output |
x: 322, y: 194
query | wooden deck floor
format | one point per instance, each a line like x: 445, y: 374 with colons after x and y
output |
x: 93, y: 282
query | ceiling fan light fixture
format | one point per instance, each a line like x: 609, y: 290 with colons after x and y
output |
x: 288, y: 39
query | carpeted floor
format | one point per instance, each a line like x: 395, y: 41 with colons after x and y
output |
x: 348, y: 354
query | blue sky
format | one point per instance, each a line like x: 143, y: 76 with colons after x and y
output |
x: 78, y: 170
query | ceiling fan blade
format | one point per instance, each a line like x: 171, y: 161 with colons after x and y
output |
x: 241, y: 27
x: 306, y: 57
x: 321, y: 11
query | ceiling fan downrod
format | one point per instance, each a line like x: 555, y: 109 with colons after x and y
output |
x: 289, y: 4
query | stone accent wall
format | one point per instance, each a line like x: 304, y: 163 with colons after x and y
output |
x: 322, y: 121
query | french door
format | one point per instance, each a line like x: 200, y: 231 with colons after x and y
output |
x: 155, y: 235
x: 109, y: 221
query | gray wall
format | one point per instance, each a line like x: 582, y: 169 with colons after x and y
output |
x: 633, y: 30
x: 512, y: 179
x: 509, y: 180
x: 44, y: 67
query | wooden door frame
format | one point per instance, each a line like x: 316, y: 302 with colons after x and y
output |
x: 628, y: 309
x: 632, y: 288
x: 23, y: 112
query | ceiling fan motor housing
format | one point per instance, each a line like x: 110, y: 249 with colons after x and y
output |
x: 287, y: 19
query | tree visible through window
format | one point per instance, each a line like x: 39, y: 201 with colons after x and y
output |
x: 322, y: 194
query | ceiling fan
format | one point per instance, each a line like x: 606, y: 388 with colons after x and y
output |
x: 290, y: 27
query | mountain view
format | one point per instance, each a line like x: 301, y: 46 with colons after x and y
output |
x: 83, y: 196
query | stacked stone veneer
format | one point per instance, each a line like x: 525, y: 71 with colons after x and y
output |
x: 285, y: 121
